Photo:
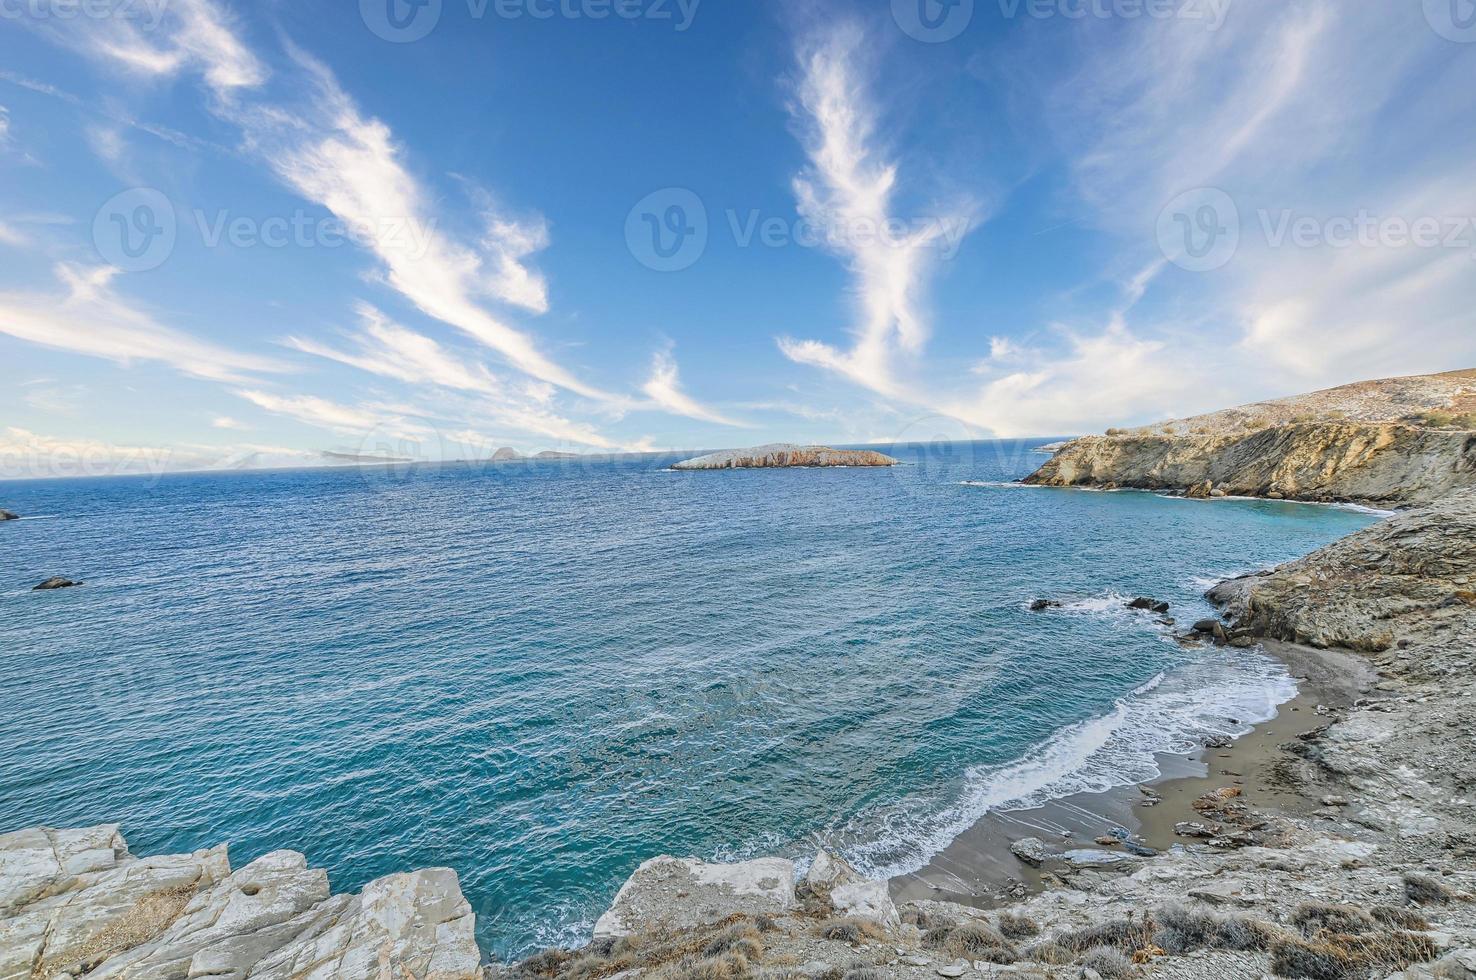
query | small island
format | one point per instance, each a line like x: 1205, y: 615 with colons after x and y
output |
x: 779, y: 455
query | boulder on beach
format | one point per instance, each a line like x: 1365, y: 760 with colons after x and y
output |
x: 678, y: 893
x: 851, y: 894
x: 779, y: 455
x: 55, y: 582
x: 1031, y: 850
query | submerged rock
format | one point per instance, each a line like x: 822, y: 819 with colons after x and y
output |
x: 677, y: 893
x: 1041, y: 605
x: 1150, y: 605
x: 55, y: 582
x: 785, y: 455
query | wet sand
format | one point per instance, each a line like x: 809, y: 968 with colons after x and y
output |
x: 978, y: 869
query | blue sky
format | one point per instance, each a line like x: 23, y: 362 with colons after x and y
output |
x: 242, y: 234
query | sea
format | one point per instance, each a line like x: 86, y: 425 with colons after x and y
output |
x: 540, y: 674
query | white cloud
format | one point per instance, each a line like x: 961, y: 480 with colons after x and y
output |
x: 322, y: 413
x: 390, y: 350
x: 226, y: 422
x: 664, y: 388
x: 89, y: 318
x: 197, y: 35
x: 330, y: 153
x: 847, y: 191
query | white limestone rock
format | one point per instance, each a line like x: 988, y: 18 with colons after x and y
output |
x: 403, y: 925
x: 37, y: 862
x: 102, y: 913
x: 224, y: 931
x: 684, y: 892
x: 866, y: 900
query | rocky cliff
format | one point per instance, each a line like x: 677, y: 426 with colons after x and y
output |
x: 1412, y: 573
x: 1383, y: 463
x: 785, y: 454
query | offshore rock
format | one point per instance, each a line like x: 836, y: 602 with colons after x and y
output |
x: 6, y: 515
x: 785, y: 454
x: 55, y: 582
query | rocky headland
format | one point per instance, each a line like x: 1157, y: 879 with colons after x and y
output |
x: 785, y: 455
x: 1398, y: 441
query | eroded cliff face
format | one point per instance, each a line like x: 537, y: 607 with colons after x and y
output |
x: 1393, y: 464
x: 1408, y: 577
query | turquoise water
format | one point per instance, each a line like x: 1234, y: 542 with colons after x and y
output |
x: 542, y: 674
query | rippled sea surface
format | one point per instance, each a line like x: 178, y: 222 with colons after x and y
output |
x: 540, y: 674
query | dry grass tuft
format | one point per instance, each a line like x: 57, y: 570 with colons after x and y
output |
x: 1109, y: 962
x: 1313, y: 917
x: 720, y: 951
x: 850, y: 930
x: 1342, y: 956
x: 1013, y: 926
x: 971, y: 941
x: 1424, y: 890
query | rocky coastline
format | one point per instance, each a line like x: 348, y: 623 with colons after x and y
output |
x: 1346, y: 848
x: 1395, y: 442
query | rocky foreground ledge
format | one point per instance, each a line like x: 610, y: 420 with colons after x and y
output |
x: 785, y: 455
x: 75, y: 903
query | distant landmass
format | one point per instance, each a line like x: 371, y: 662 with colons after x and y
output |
x: 785, y: 455
x: 508, y: 455
x: 358, y: 458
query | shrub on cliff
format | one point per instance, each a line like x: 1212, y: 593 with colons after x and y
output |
x: 1109, y: 962
x: 1342, y: 956
x: 1310, y: 917
x: 1013, y: 926
x: 1425, y: 890
x: 971, y: 941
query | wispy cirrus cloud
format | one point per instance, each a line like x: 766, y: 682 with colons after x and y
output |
x: 89, y: 317
x: 664, y: 388
x: 850, y: 186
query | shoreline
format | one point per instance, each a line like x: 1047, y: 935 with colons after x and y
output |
x: 978, y: 870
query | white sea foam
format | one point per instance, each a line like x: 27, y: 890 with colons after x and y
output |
x: 1174, y: 712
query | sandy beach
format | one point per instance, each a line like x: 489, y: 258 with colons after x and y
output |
x: 978, y: 869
